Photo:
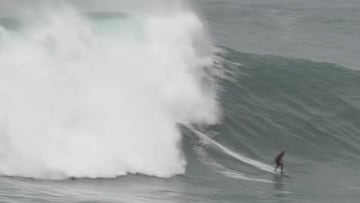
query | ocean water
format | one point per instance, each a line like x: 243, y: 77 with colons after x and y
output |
x: 174, y: 101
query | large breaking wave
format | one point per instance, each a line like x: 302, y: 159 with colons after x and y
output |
x: 102, y: 97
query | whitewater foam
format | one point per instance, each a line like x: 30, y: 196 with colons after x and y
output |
x: 76, y: 101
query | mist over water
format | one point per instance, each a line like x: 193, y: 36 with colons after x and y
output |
x: 101, y: 98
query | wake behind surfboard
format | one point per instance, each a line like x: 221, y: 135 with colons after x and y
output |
x: 271, y: 172
x: 251, y: 162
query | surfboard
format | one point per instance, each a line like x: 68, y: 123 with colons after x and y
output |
x: 282, y: 175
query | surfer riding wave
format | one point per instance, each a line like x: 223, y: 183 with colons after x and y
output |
x: 278, y: 161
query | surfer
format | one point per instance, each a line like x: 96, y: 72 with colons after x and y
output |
x: 278, y: 161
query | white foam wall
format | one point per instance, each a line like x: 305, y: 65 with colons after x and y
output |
x: 84, y: 98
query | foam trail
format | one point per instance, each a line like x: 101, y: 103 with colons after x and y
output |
x: 85, y: 98
x: 224, y: 170
x: 244, y: 159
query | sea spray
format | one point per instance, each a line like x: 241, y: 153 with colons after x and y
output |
x: 80, y: 98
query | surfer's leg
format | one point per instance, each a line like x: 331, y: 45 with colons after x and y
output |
x: 276, y: 166
x: 282, y: 168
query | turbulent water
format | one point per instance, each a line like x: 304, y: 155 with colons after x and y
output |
x: 164, y: 101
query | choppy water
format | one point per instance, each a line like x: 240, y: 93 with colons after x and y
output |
x: 179, y: 103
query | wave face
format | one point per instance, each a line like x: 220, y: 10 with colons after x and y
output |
x: 269, y: 103
x: 308, y: 108
x: 101, y: 95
